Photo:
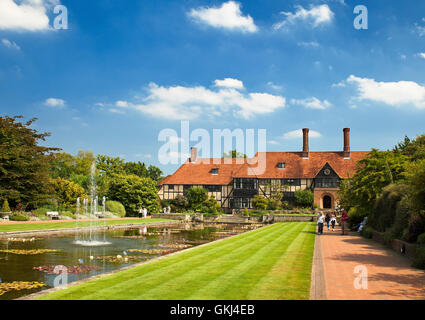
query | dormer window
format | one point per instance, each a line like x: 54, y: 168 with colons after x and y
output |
x: 281, y: 165
x: 214, y: 171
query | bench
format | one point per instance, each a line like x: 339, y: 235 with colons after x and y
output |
x: 53, y: 214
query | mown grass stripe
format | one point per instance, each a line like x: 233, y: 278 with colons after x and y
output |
x: 247, y: 270
x: 175, y: 267
x: 182, y: 259
x: 211, y: 270
x: 268, y: 263
x: 290, y: 277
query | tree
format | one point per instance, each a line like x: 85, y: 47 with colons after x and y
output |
x: 154, y: 173
x: 304, y: 198
x: 234, y: 154
x: 416, y: 181
x: 196, y: 197
x: 414, y: 149
x: 62, y: 165
x: 67, y: 192
x: 108, y: 165
x: 374, y: 172
x: 134, y: 192
x: 24, y: 164
x: 259, y: 202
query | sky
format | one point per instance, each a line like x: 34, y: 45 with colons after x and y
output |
x: 123, y: 71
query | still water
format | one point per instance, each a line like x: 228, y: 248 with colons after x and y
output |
x: 33, y: 259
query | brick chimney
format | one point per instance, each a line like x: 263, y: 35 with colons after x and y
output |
x: 193, y: 154
x: 346, y: 152
x: 305, y: 143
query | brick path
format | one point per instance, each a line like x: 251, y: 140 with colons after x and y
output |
x: 390, y: 275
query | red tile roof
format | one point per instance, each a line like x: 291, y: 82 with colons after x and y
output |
x: 199, y: 173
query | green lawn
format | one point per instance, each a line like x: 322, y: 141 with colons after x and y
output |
x: 273, y: 262
x: 69, y: 224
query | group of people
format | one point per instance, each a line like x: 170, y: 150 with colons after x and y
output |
x: 330, y: 220
x: 166, y: 209
x: 143, y: 212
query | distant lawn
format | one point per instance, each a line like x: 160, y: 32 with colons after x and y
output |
x: 273, y: 262
x: 70, y: 224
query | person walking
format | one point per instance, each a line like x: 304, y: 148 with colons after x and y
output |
x: 320, y: 221
x: 333, y: 222
x: 344, y: 220
x: 328, y: 220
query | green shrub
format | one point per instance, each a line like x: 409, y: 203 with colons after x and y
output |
x: 259, y: 202
x: 179, y: 204
x: 274, y: 204
x: 304, y: 198
x: 416, y: 227
x: 419, y: 261
x: 246, y: 212
x: 196, y: 197
x: 367, y: 232
x: 355, y: 216
x: 115, y: 207
x: 18, y: 217
x: 384, y: 211
x: 67, y: 214
x: 403, y: 213
x: 211, y: 206
x: 421, y: 239
x: 5, y: 207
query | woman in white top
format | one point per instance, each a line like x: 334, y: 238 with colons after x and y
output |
x: 320, y: 220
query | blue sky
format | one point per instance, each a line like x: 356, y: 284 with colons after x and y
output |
x: 125, y: 70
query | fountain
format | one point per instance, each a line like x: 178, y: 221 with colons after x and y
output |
x: 88, y: 237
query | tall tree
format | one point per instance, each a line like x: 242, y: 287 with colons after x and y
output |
x: 24, y: 164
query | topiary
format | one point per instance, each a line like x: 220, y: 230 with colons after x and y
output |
x: 5, y: 207
x: 115, y: 207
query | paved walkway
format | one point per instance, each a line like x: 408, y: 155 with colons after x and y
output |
x: 389, y: 275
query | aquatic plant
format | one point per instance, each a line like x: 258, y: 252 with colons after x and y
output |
x: 19, y: 285
x: 29, y: 252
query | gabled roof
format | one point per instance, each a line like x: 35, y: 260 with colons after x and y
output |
x: 199, y: 172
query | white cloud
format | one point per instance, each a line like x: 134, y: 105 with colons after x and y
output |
x: 313, y: 44
x: 421, y: 55
x: 420, y: 30
x: 10, y: 44
x: 121, y: 104
x: 274, y: 86
x: 316, y: 16
x: 187, y: 103
x: 229, y: 83
x: 228, y: 16
x: 396, y: 94
x: 55, y: 103
x: 25, y: 15
x: 114, y: 110
x: 312, y: 103
x: 340, y: 84
x: 296, y: 134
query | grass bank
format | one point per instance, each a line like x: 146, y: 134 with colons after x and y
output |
x: 69, y: 224
x: 273, y: 262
